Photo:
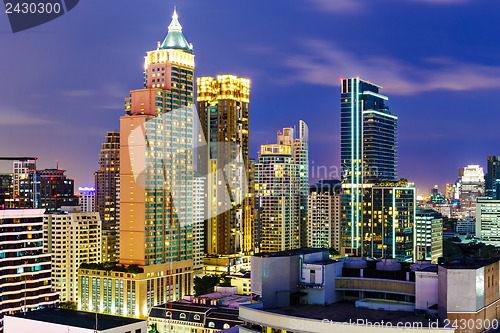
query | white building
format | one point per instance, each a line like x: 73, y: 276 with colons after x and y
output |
x: 488, y: 221
x: 323, y: 209
x: 198, y: 220
x: 471, y: 184
x: 86, y: 199
x: 72, y: 237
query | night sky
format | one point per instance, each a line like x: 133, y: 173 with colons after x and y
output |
x: 62, y: 84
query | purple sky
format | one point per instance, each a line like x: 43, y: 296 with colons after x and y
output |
x: 63, y: 84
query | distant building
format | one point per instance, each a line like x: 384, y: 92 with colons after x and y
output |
x: 86, y: 199
x: 488, y: 221
x: 492, y: 179
x: 56, y: 190
x: 6, y: 187
x: 72, y: 237
x: 64, y: 321
x: 25, y: 270
x: 241, y: 280
x: 201, y: 314
x: 466, y: 226
x: 428, y: 235
x: 324, y: 222
x: 471, y: 184
x: 26, y: 185
x: 107, y: 194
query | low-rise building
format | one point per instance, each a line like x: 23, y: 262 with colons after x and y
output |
x: 201, y: 314
x: 132, y: 291
x: 241, y: 280
x: 64, y: 321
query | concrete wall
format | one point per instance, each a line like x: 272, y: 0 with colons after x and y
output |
x: 274, y: 278
x: 426, y: 289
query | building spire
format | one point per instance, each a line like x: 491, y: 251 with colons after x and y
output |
x: 175, y: 39
x: 175, y: 25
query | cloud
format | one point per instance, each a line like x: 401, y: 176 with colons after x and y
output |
x: 354, y: 5
x: 338, y: 5
x: 326, y: 63
x: 78, y: 93
x: 10, y: 117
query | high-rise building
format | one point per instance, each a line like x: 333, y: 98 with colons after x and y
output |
x: 369, y: 169
x: 368, y: 133
x: 6, y: 187
x: 56, y: 190
x: 198, y: 220
x: 428, y: 235
x: 471, y: 184
x: 72, y: 237
x: 25, y: 282
x: 223, y: 108
x: 86, y: 199
x: 492, y: 179
x: 107, y: 201
x: 26, y: 182
x: 278, y: 183
x: 388, y: 222
x: 488, y: 221
x: 324, y: 215
x: 156, y: 189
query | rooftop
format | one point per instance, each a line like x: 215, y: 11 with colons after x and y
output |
x: 293, y: 252
x: 77, y: 318
x: 470, y: 263
x: 346, y: 311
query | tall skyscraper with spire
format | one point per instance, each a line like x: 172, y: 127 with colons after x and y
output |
x: 156, y: 189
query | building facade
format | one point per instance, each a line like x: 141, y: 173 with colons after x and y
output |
x: 25, y: 270
x: 368, y: 155
x: 26, y: 185
x: 132, y: 292
x: 107, y: 195
x: 56, y: 190
x: 488, y: 221
x: 72, y: 237
x: 278, y: 186
x: 223, y: 109
x: 86, y: 199
x: 428, y: 235
x: 198, y: 221
x: 471, y: 187
x: 388, y: 221
x: 324, y: 218
x: 492, y: 179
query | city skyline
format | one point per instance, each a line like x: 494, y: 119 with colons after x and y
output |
x: 434, y: 89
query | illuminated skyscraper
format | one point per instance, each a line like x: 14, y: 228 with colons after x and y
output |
x: 107, y: 202
x: 370, y: 225
x: 278, y: 182
x: 223, y: 108
x: 156, y: 189
x: 26, y: 182
x: 492, y: 180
